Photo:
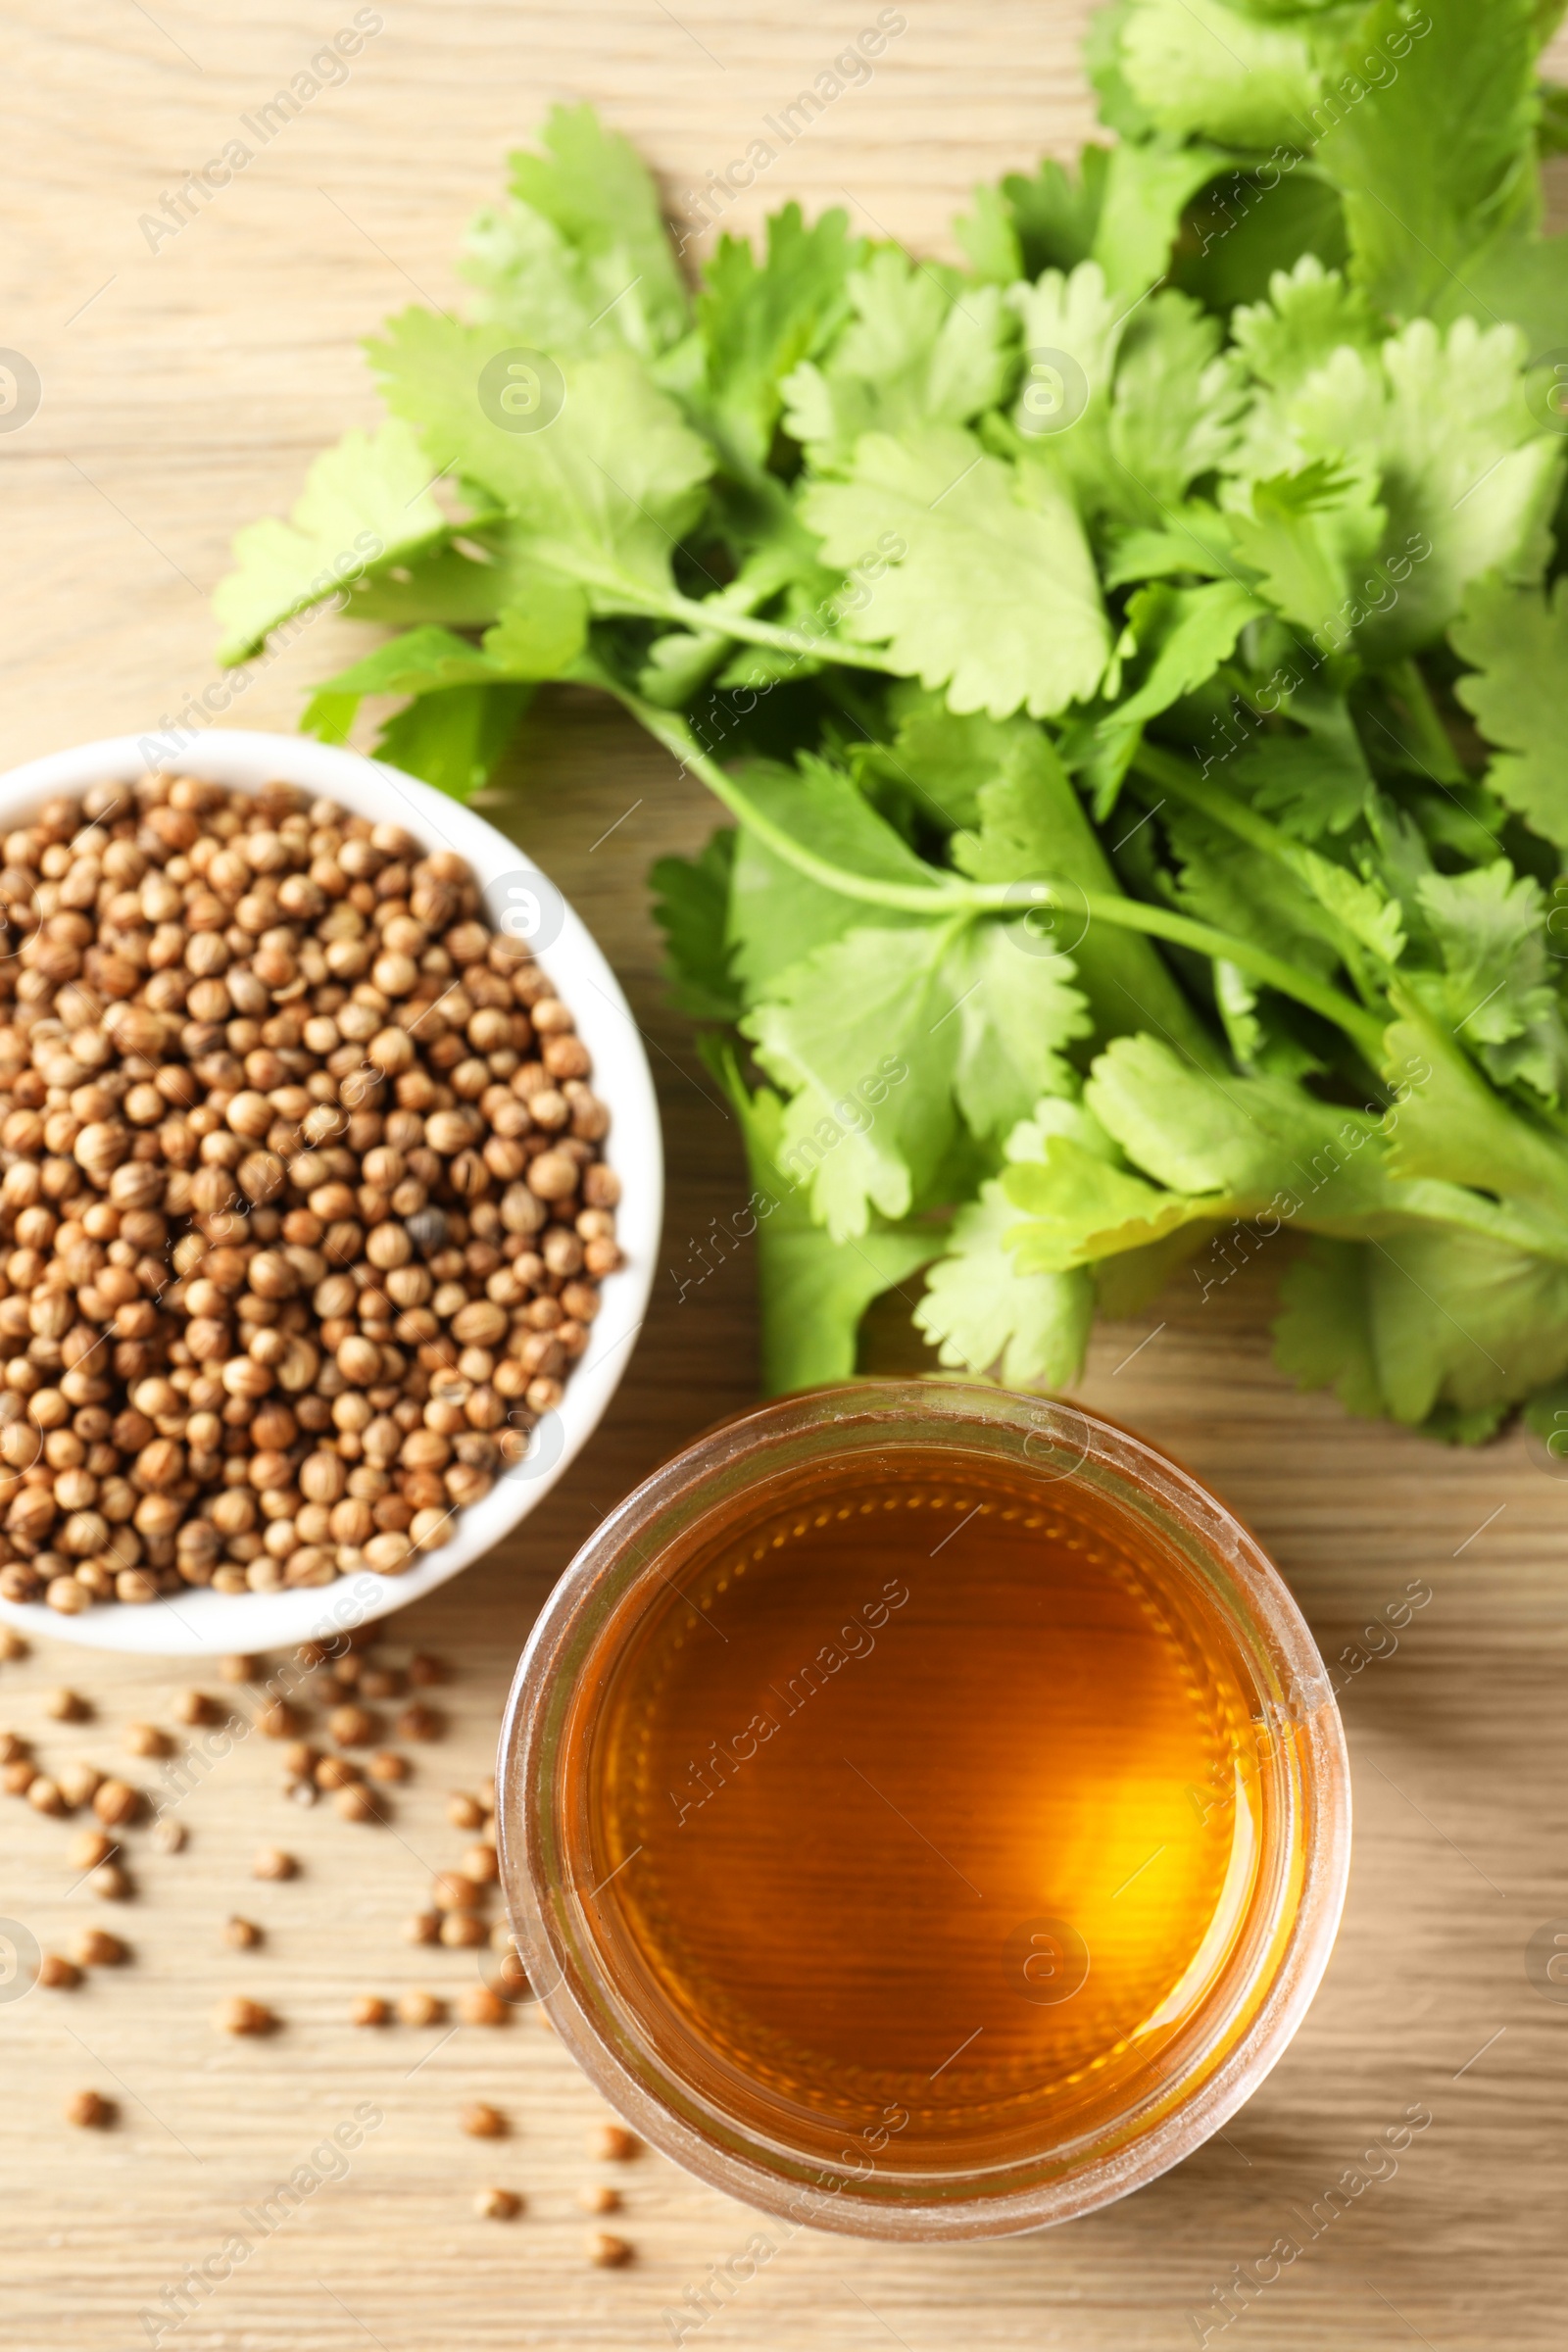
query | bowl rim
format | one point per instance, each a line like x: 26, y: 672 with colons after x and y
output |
x: 608, y: 2046
x: 203, y: 1623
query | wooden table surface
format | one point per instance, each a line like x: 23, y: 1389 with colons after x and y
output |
x: 183, y: 392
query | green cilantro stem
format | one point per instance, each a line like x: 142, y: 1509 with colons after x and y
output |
x: 1412, y: 690
x: 726, y: 620
x: 1364, y: 1029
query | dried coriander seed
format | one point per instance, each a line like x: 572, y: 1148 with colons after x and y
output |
x: 168, y: 1837
x: 418, y: 2008
x: 96, y: 1947
x: 195, y: 1708
x: 613, y: 2143
x: 497, y: 2204
x: 79, y: 1784
x: 460, y: 1931
x: 482, y: 2122
x: 480, y: 2006
x: 115, y: 1803
x: 387, y: 1765
x: 598, y: 2198
x: 110, y: 1883
x: 423, y: 1927
x: 66, y: 1707
x: 58, y: 1973
x: 607, y: 2251
x: 146, y: 1740
x: 89, y: 2111
x: 237, y: 2015
x: 240, y: 1935
x: 368, y: 2009
x: 271, y: 1862
x: 419, y: 1723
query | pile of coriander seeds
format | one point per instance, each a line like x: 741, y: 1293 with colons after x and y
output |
x: 302, y: 1210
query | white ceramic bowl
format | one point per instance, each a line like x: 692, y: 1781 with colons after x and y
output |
x: 201, y: 1623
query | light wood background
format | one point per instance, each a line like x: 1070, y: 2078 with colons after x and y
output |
x: 184, y: 393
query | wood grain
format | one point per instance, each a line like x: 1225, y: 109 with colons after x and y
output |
x: 183, y: 392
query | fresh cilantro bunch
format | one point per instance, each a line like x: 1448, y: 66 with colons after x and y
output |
x: 1134, y: 665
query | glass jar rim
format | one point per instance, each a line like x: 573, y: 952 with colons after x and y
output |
x: 1059, y: 1439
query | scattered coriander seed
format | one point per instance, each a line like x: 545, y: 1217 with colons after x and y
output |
x: 463, y: 1812
x: 146, y: 1740
x: 497, y: 2204
x: 240, y: 1935
x: 300, y: 1760
x: 460, y: 1930
x: 479, y: 1864
x: 96, y: 1947
x: 422, y: 1927
x: 335, y: 1772
x: 237, y: 1670
x: 168, y: 1836
x: 66, y: 1707
x: 18, y: 1776
x: 13, y: 1646
x: 78, y: 1784
x: 370, y: 2009
x: 309, y: 1655
x: 387, y: 1765
x: 300, y: 1792
x: 598, y: 2198
x: 276, y: 1720
x: 420, y: 2008
x: 13, y: 1750
x: 355, y: 1803
x: 58, y: 1973
x: 452, y: 1892
x: 352, y: 1726
x: 89, y: 1847
x: 115, y: 1803
x: 381, y: 1682
x: 511, y: 1978
x: 110, y: 1883
x: 613, y: 2143
x: 237, y: 2015
x: 607, y: 2251
x: 43, y: 1795
x: 482, y: 2122
x: 419, y: 1723
x: 345, y: 1672
x: 271, y: 1862
x: 89, y: 2111
x: 195, y: 1708
x: 426, y: 1671
x: 480, y: 2006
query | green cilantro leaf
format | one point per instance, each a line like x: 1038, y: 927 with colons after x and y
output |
x: 581, y: 258
x: 1199, y: 69
x: 366, y: 506
x: 994, y: 596
x: 606, y: 490
x: 916, y: 351
x: 691, y: 906
x: 814, y: 1289
x: 759, y: 318
x: 1517, y: 638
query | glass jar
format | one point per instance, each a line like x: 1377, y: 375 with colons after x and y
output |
x: 1019, y: 2150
